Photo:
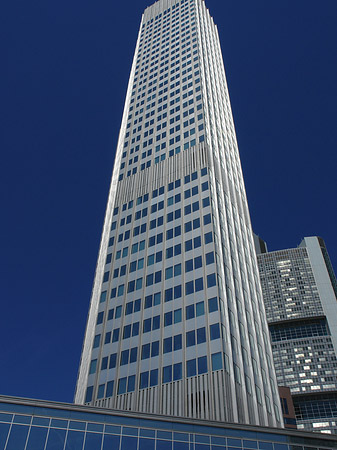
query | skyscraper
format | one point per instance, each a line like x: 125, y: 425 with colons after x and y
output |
x: 177, y: 323
x: 300, y: 294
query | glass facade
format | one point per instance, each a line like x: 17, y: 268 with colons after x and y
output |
x: 37, y: 425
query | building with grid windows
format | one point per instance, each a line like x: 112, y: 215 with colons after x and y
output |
x: 300, y: 293
x: 40, y: 425
x: 177, y: 323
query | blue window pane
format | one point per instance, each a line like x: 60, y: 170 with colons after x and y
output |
x: 168, y: 319
x: 93, y: 441
x: 177, y: 371
x: 265, y: 445
x: 156, y: 323
x: 4, y: 427
x: 133, y: 354
x: 181, y: 446
x: 129, y: 443
x: 213, y: 304
x: 191, y: 367
x: 188, y: 245
x: 199, y: 284
x: 156, y: 298
x: 167, y: 374
x: 88, y: 395
x: 124, y: 357
x: 201, y: 335
x: 167, y: 347
x: 190, y: 312
x: 205, y: 202
x: 113, y: 361
x: 188, y: 227
x: 135, y: 329
x: 168, y: 295
x: 111, y: 442
x: 208, y: 238
x: 177, y: 316
x: 56, y: 439
x: 101, y: 389
x: 249, y: 444
x: 178, y: 342
x: 196, y: 223
x: 109, y: 388
x: 202, y: 447
x: 189, y: 288
x: 131, y: 383
x: 146, y: 351
x: 144, y: 380
x: 137, y: 305
x: 190, y: 338
x: 217, y: 361
x: 164, y: 445
x: 211, y: 280
x: 104, y: 365
x: 234, y: 442
x: 197, y: 262
x: 154, y: 377
x: 122, y: 386
x: 147, y: 325
x: 74, y: 440
x: 197, y: 242
x: 200, y: 309
x: 189, y: 265
x: 177, y: 291
x: 209, y: 258
x: 154, y: 349
x: 146, y: 444
x: 214, y: 331
x: 202, y: 365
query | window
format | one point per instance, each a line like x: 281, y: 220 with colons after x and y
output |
x: 214, y: 331
x: 168, y: 319
x: 202, y: 365
x: 213, y: 304
x: 211, y: 280
x: 154, y: 349
x: 177, y: 342
x: 191, y: 368
x: 177, y: 371
x: 167, y: 345
x: 167, y: 374
x: 201, y: 335
x: 144, y: 380
x: 190, y: 338
x: 177, y: 316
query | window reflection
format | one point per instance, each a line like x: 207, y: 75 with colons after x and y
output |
x: 17, y: 438
x: 74, y: 440
x: 56, y: 439
x: 37, y: 438
x: 93, y: 441
x: 4, y: 427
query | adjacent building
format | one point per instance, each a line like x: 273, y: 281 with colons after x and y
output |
x: 300, y: 293
x: 40, y: 425
x: 177, y: 323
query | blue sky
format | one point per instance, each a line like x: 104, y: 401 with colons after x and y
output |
x: 65, y: 72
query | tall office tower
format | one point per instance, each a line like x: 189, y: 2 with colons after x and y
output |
x: 177, y: 323
x: 300, y: 292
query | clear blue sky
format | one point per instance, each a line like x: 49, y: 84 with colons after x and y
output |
x: 65, y: 68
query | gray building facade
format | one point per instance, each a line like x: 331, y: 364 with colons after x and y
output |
x: 300, y: 293
x: 177, y: 323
